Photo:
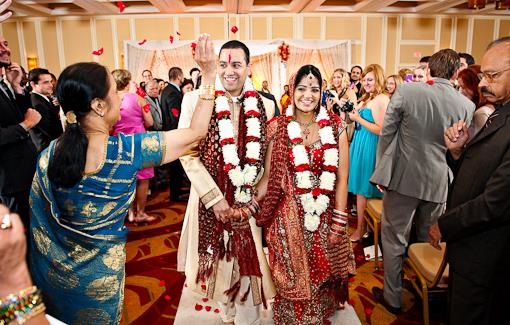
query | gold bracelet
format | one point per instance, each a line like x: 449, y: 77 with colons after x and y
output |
x: 207, y: 92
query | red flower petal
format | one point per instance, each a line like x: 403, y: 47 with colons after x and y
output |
x: 198, y: 307
x: 175, y: 112
x: 142, y: 42
x: 121, y: 6
x: 98, y: 52
x: 162, y: 283
x: 217, y: 92
x: 205, y: 299
x: 234, y: 29
x: 171, y: 38
x: 216, y: 310
x: 167, y: 297
x: 208, y: 308
x: 430, y: 82
x: 250, y: 93
x: 316, y: 192
x: 193, y: 45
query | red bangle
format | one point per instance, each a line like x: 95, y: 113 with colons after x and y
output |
x: 147, y: 108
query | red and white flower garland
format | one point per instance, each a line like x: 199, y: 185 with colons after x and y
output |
x: 243, y: 178
x: 315, y: 201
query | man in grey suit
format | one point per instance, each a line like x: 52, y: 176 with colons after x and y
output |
x: 152, y: 91
x: 411, y: 164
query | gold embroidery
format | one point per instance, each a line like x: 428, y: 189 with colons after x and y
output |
x: 103, y: 288
x: 211, y: 195
x: 88, y: 209
x: 108, y: 207
x: 41, y: 239
x: 115, y: 258
x: 91, y: 316
x: 62, y: 275
x: 150, y: 144
x: 79, y: 253
x: 43, y: 161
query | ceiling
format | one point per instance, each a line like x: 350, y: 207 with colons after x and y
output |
x: 110, y: 7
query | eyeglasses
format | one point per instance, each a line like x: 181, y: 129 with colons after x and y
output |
x: 490, y: 76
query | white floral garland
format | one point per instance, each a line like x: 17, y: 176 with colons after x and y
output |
x: 314, y: 201
x: 243, y: 178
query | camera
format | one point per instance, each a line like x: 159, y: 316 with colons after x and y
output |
x: 336, y: 107
x: 348, y: 107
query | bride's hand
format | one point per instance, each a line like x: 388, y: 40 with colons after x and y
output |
x: 205, y: 56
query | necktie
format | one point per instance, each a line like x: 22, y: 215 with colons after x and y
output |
x: 491, y: 117
x: 7, y: 90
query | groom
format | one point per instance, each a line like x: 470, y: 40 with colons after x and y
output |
x: 217, y: 255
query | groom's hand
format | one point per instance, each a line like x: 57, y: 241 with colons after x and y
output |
x: 223, y: 211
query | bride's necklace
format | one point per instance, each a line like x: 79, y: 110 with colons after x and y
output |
x: 306, y: 126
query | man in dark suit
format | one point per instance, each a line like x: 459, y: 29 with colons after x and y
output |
x: 50, y: 127
x: 17, y: 152
x: 476, y: 225
x: 171, y: 100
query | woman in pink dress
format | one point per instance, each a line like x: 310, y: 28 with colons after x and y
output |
x: 135, y: 117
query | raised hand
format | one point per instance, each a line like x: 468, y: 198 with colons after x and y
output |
x: 14, y: 75
x: 32, y: 117
x: 456, y: 137
x: 205, y: 57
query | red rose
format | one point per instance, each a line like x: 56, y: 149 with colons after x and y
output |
x: 175, y: 112
x: 216, y: 310
x: 322, y: 123
x: 223, y: 114
x: 252, y: 113
x: 219, y: 93
x: 296, y: 140
x: 302, y: 167
x: 234, y: 29
x: 316, y: 192
x: 250, y: 93
x: 330, y: 168
x: 198, y: 307
x: 208, y: 308
x: 205, y: 299
x: 252, y: 138
x: 250, y: 160
x: 226, y: 168
x: 227, y: 141
x: 193, y: 45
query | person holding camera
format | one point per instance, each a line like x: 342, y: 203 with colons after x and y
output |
x: 341, y: 98
x: 368, y: 117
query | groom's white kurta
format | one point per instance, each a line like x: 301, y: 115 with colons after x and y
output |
x: 204, y: 188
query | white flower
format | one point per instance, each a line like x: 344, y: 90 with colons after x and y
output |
x: 221, y: 104
x: 303, y: 179
x: 250, y: 103
x: 293, y: 130
x: 253, y: 150
x: 323, y: 115
x: 253, y: 127
x: 289, y: 111
x: 242, y: 195
x: 326, y: 135
x: 243, y: 176
x: 331, y: 157
x: 312, y: 222
x: 300, y: 155
x: 226, y: 129
x: 327, y: 180
x: 322, y: 203
x: 230, y: 154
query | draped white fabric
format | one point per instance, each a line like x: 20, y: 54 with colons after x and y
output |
x: 160, y: 56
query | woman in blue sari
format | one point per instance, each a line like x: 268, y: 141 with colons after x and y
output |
x: 84, y: 184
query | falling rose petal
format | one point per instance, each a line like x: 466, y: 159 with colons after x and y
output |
x: 193, y: 45
x: 217, y: 311
x: 198, y: 307
x: 142, y: 42
x: 203, y: 286
x: 177, y: 32
x: 205, y: 299
x: 98, y: 52
x: 121, y: 6
x: 369, y: 311
x: 171, y: 38
x: 234, y: 29
x: 175, y: 112
x: 208, y: 308
x: 167, y: 297
x: 162, y: 283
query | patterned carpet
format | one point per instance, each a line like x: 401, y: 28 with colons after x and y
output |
x: 153, y: 286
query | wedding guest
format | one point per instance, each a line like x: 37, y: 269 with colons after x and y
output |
x: 392, y: 82
x: 285, y: 99
x: 369, y: 118
x: 187, y: 85
x: 420, y: 74
x: 84, y: 185
x: 356, y: 72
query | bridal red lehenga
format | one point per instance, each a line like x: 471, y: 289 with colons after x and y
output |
x: 310, y: 274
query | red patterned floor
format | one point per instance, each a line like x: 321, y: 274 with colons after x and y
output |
x: 153, y: 286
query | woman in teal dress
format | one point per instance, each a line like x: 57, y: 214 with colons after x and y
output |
x: 84, y: 184
x: 369, y: 117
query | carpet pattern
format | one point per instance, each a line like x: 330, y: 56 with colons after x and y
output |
x: 153, y: 285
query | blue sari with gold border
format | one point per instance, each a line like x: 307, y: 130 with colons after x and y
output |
x: 77, y: 235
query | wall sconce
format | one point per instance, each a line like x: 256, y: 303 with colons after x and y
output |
x: 476, y: 4
x: 32, y: 62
